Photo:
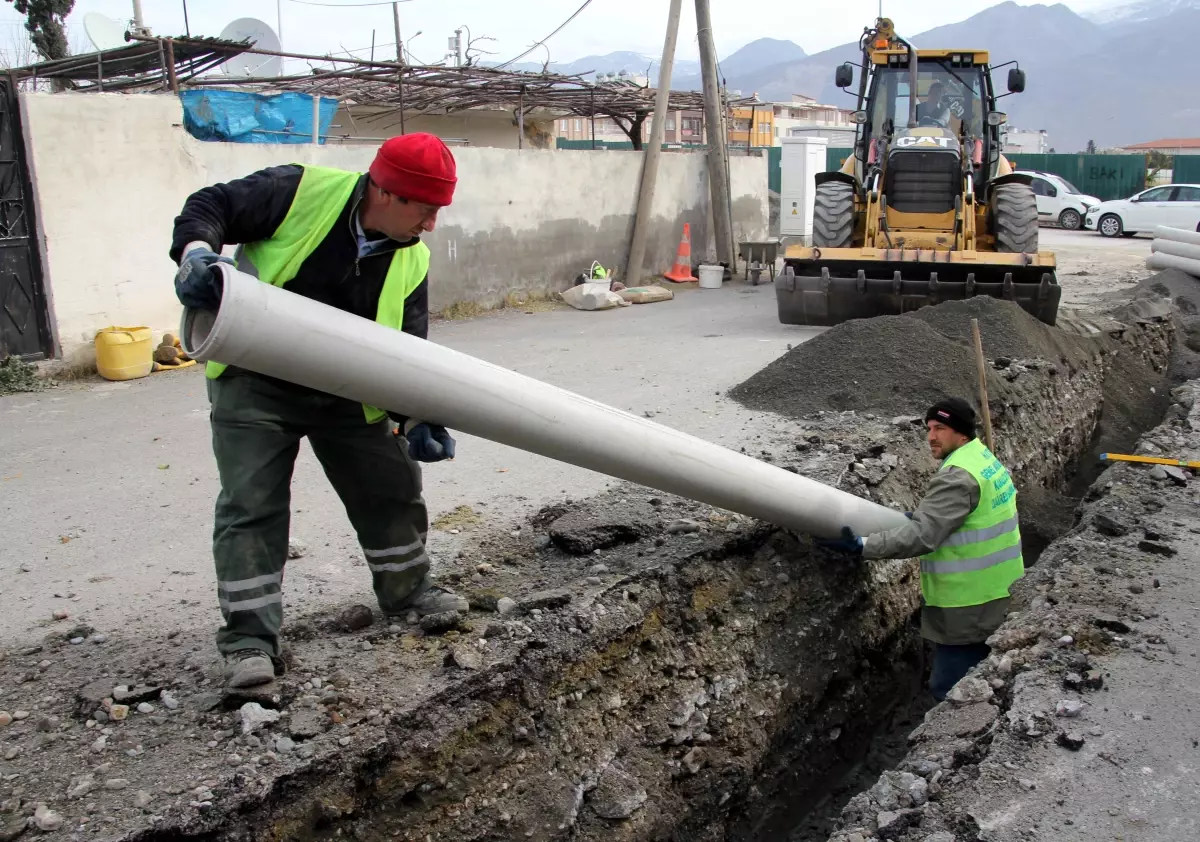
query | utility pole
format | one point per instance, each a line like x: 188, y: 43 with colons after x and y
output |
x: 718, y: 168
x: 399, y: 43
x: 139, y: 24
x: 641, y: 223
x: 399, y: 60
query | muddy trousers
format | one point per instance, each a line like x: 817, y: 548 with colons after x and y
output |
x: 257, y: 424
x: 951, y: 663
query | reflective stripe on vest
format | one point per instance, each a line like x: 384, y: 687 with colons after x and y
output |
x: 981, y: 559
x: 319, y: 201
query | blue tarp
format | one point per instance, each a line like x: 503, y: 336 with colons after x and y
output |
x: 243, y: 117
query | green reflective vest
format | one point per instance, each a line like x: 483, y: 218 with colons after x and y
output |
x: 980, y: 560
x: 319, y: 200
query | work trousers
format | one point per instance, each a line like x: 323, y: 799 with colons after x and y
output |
x: 257, y: 424
x: 951, y: 663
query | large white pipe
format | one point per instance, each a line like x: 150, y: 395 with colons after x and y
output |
x: 1189, y: 250
x: 1179, y: 235
x: 278, y: 333
x: 1159, y: 261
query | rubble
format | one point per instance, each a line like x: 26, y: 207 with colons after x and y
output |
x: 711, y: 675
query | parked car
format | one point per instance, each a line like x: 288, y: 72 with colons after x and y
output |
x: 1058, y: 200
x: 1173, y: 205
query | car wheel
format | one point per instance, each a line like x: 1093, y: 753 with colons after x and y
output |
x: 1070, y: 219
x: 1110, y: 225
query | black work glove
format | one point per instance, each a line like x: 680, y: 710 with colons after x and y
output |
x: 197, y: 283
x: 848, y: 544
x: 429, y: 442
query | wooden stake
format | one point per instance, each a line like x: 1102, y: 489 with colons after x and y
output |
x: 981, y: 366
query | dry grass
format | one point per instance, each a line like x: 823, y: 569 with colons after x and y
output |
x: 461, y: 518
x: 528, y: 302
x: 460, y: 310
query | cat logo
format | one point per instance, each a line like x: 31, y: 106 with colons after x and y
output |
x: 943, y: 142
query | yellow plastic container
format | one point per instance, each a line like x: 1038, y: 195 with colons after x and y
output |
x: 124, y: 353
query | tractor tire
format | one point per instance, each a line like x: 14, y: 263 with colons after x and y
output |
x: 833, y: 215
x: 1015, y: 219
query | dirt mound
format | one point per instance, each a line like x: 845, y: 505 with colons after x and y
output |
x: 1006, y: 330
x: 896, y: 365
x: 1183, y: 291
x: 892, y: 365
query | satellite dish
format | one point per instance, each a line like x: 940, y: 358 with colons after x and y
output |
x: 251, y: 64
x: 104, y: 33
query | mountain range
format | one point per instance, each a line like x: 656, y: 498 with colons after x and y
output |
x: 1119, y: 74
x: 1122, y: 76
x: 685, y: 74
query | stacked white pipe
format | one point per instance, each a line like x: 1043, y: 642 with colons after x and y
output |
x: 278, y: 333
x: 1174, y: 248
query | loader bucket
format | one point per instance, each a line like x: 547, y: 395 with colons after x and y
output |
x: 861, y: 283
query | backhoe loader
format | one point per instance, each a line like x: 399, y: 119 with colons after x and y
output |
x: 927, y: 209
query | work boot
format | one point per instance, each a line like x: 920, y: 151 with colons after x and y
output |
x: 248, y: 668
x: 432, y: 599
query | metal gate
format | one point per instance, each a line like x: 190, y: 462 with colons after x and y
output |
x: 24, y: 326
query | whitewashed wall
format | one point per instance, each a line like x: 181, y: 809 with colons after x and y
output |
x: 111, y: 171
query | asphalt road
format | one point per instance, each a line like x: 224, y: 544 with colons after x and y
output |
x: 109, y: 487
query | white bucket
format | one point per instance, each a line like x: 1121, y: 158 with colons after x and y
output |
x: 711, y: 276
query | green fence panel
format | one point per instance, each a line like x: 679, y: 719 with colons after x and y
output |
x: 835, y: 156
x: 1187, y: 169
x: 775, y: 169
x: 1103, y: 176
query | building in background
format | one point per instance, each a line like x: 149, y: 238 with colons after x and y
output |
x: 1167, y: 146
x: 1026, y: 141
x: 751, y: 125
x: 805, y: 117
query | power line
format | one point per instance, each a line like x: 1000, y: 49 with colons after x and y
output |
x: 347, y: 5
x: 586, y: 3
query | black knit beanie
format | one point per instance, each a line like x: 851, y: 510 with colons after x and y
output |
x: 956, y: 414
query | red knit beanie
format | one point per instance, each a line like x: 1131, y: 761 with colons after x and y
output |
x: 418, y: 167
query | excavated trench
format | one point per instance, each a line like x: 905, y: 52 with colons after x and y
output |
x: 668, y: 671
x: 735, y: 683
x: 732, y: 682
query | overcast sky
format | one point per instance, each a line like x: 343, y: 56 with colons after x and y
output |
x: 602, y: 27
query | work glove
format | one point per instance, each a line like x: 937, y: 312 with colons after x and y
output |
x: 428, y: 442
x: 197, y: 283
x: 848, y: 544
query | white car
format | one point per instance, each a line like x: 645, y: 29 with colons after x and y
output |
x: 1058, y: 200
x: 1173, y: 205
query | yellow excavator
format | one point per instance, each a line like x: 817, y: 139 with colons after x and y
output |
x: 927, y: 209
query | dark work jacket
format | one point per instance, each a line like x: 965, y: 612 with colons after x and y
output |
x: 252, y: 208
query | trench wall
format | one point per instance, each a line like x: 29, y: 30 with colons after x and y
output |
x: 111, y: 171
x: 714, y: 692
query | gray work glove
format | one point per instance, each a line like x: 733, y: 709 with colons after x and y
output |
x: 198, y: 283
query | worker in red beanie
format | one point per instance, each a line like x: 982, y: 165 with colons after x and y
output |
x: 352, y: 241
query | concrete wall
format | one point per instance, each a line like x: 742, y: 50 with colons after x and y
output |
x: 491, y: 127
x: 111, y: 171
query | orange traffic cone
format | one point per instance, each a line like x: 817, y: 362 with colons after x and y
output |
x: 681, y: 272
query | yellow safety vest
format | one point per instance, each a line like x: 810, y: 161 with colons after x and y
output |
x: 319, y: 201
x: 981, y: 559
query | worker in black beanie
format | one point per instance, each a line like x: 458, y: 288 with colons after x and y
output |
x: 966, y: 533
